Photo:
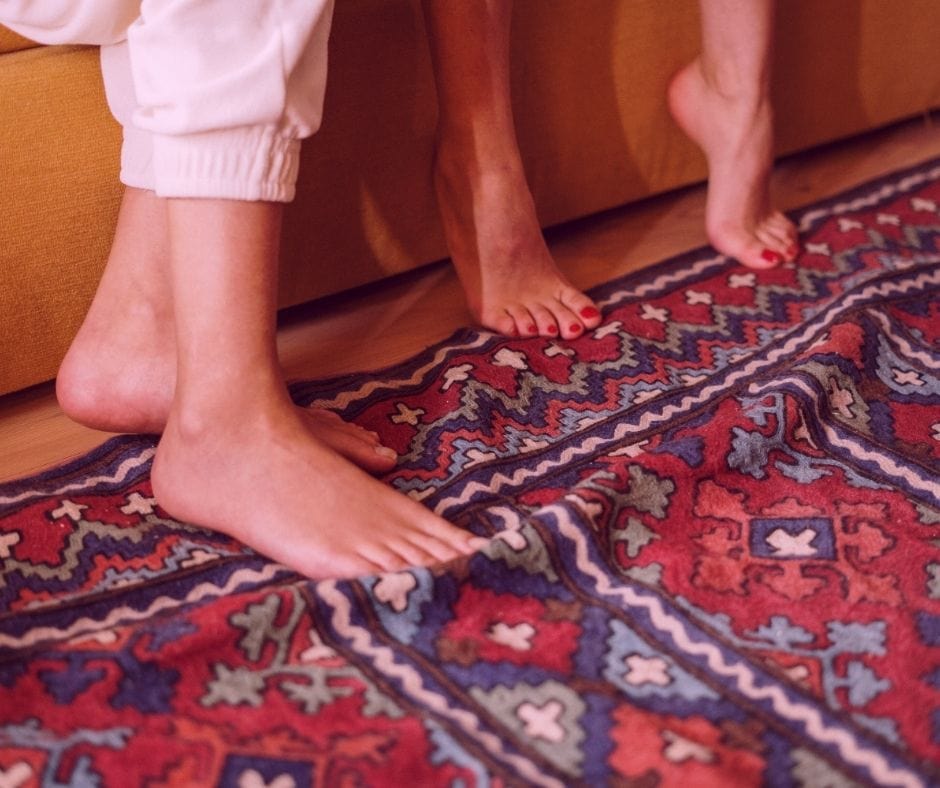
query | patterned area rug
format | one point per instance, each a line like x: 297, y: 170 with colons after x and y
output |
x: 715, y: 561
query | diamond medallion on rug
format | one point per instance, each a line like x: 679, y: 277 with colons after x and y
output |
x: 714, y: 557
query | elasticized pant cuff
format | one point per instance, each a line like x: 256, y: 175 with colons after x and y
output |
x: 249, y: 163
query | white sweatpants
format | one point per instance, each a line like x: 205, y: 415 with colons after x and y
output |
x: 214, y: 96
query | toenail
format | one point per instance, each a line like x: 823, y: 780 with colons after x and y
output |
x: 552, y: 329
x: 384, y: 451
x: 589, y: 312
x: 771, y: 257
x: 575, y: 328
x: 531, y: 329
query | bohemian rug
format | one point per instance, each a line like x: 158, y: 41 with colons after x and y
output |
x: 715, y: 557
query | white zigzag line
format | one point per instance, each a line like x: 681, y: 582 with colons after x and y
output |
x: 343, y: 399
x: 880, y: 769
x: 119, y: 475
x: 125, y: 615
x: 885, y: 463
x: 384, y: 660
x: 650, y: 418
x: 498, y: 480
x: 661, y: 282
x: 906, y: 348
x: 887, y: 190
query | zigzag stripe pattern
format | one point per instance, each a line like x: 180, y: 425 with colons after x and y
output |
x: 123, y: 471
x: 123, y: 616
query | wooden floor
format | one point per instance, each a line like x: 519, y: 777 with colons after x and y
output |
x: 377, y: 327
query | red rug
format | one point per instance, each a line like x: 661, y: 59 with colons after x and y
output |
x: 715, y: 562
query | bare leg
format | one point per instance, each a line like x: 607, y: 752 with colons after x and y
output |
x: 235, y: 455
x: 511, y: 281
x: 721, y: 100
x: 120, y: 372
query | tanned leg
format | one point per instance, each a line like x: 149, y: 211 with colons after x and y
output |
x: 721, y: 100
x: 512, y: 284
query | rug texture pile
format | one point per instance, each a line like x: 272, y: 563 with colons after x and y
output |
x: 714, y: 561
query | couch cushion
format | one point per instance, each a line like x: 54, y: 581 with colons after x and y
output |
x: 59, y: 154
x: 13, y: 42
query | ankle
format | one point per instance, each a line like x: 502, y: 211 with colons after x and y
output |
x: 201, y: 416
x: 733, y: 85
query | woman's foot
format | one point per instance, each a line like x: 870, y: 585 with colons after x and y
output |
x: 511, y: 282
x: 735, y: 131
x: 120, y: 373
x: 254, y: 472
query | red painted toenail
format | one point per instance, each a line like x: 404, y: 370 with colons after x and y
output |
x: 575, y: 328
x: 589, y: 311
x: 553, y: 329
x: 531, y: 329
x: 771, y: 257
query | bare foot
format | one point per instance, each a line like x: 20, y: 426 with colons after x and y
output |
x: 736, y: 134
x: 120, y: 373
x: 256, y: 473
x: 510, y: 279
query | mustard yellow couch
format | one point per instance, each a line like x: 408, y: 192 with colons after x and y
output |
x: 588, y: 80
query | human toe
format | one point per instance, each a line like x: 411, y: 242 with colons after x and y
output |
x: 437, y: 549
x: 763, y: 260
x: 746, y: 248
x: 757, y: 255
x: 586, y: 310
x: 435, y: 535
x: 570, y: 324
x: 786, y: 230
x: 506, y: 325
x: 399, y: 554
x: 520, y: 323
x: 360, y: 446
x: 544, y: 320
x: 775, y: 242
x: 782, y: 224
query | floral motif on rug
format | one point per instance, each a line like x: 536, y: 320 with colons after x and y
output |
x: 715, y: 524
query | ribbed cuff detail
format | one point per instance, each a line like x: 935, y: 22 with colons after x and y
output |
x: 252, y: 163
